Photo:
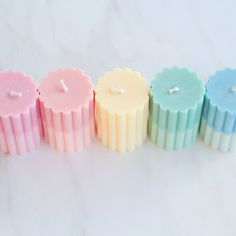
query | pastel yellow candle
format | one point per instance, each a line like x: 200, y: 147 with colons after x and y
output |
x: 121, y: 103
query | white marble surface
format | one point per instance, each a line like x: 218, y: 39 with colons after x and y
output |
x: 98, y: 192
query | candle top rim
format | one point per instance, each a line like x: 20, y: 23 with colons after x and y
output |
x: 219, y: 89
x: 79, y: 93
x: 18, y: 92
x: 188, y: 89
x: 121, y: 90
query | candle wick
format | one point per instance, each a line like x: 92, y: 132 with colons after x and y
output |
x: 14, y: 93
x: 174, y: 89
x: 117, y: 90
x: 63, y: 85
x: 233, y: 89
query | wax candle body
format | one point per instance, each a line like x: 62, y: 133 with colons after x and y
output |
x: 67, y: 108
x: 176, y: 98
x: 218, y: 124
x: 20, y: 123
x: 122, y: 109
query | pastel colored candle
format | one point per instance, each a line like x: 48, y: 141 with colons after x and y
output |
x: 121, y: 101
x: 218, y: 124
x: 20, y: 123
x: 67, y: 108
x: 176, y: 99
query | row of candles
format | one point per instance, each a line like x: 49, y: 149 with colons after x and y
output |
x: 67, y: 111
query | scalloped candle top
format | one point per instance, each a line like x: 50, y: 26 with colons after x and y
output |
x: 177, y: 89
x: 121, y: 90
x: 221, y: 89
x: 18, y: 93
x: 65, y: 90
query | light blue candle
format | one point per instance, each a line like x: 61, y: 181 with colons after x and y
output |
x: 218, y: 125
x: 176, y: 99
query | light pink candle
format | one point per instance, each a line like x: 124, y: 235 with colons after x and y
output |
x: 67, y: 108
x: 20, y: 123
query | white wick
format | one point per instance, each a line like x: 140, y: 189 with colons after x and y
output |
x: 63, y: 85
x: 233, y: 89
x: 117, y: 90
x: 174, y: 89
x: 15, y: 93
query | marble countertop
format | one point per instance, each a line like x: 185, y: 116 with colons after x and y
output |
x: 97, y: 192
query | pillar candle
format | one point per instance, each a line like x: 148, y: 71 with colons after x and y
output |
x: 121, y: 98
x: 67, y: 108
x: 218, y: 124
x: 176, y: 99
x: 20, y: 124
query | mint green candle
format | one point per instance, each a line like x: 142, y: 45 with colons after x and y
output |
x: 176, y: 99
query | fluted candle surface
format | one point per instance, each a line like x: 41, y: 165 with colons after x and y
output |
x: 176, y: 99
x: 121, y: 98
x: 20, y: 123
x: 67, y: 108
x: 218, y: 124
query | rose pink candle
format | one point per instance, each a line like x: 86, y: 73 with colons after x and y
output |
x: 20, y: 123
x: 67, y: 108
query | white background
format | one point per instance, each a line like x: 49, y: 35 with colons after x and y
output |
x: 97, y: 192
